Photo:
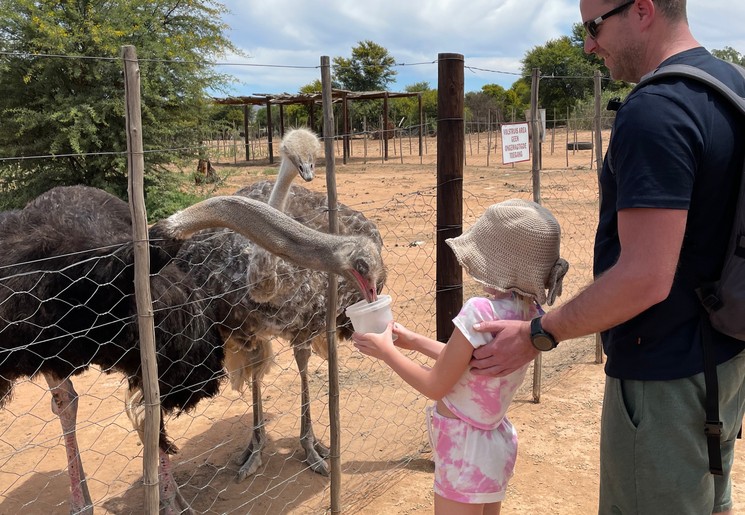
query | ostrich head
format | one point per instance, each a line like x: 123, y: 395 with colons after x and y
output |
x: 355, y: 257
x: 299, y: 149
x: 358, y: 259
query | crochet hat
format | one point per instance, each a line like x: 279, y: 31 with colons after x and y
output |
x: 514, y: 246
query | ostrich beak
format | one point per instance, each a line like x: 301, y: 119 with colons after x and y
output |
x: 306, y: 171
x: 367, y: 289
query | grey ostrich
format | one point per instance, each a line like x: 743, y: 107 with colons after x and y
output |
x: 67, y: 302
x: 263, y: 295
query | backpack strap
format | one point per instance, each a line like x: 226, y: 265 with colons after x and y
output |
x: 713, y: 425
x: 685, y: 70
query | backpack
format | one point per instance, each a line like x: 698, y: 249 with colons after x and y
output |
x: 723, y: 301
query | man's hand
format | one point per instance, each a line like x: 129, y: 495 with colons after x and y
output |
x: 510, y: 349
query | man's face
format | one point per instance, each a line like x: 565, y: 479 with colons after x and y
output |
x: 613, y: 40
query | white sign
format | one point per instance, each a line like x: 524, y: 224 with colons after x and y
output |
x: 515, y: 142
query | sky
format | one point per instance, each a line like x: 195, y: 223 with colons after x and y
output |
x: 283, y: 40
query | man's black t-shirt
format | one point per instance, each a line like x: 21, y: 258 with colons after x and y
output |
x: 676, y: 144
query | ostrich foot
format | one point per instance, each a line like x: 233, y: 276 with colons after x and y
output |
x: 315, y: 454
x: 249, y: 465
x: 171, y: 500
x: 250, y: 459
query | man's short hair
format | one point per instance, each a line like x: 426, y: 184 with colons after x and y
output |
x: 673, y: 10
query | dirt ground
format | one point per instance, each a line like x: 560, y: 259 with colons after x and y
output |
x: 385, y: 460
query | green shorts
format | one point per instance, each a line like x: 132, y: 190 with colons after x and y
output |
x: 653, y: 453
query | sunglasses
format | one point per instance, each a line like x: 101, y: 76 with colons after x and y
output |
x: 592, y: 26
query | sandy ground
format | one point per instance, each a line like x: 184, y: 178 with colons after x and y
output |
x: 385, y: 459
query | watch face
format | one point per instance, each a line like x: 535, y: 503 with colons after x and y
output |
x: 542, y: 342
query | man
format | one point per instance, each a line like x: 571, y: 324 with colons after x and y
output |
x: 668, y: 190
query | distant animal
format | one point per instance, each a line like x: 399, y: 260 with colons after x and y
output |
x: 205, y: 172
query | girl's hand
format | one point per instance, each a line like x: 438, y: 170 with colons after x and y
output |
x: 405, y: 337
x: 376, y: 345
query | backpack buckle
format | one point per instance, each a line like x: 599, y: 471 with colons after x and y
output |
x: 709, y: 298
x: 713, y: 428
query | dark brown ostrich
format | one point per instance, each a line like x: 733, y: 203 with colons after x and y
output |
x: 67, y: 302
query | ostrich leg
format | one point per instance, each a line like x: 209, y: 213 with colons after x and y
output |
x: 65, y: 406
x: 250, y: 459
x: 315, y: 452
x: 171, y: 500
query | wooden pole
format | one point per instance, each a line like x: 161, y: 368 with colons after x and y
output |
x: 488, y: 136
x: 145, y: 320
x: 421, y: 127
x: 345, y: 133
x: 246, y: 136
x: 335, y: 425
x: 385, y: 127
x: 450, y: 163
x: 269, y: 131
x: 364, y: 140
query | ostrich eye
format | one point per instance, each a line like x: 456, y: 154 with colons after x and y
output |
x: 362, y: 267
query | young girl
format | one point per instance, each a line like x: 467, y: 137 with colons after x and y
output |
x: 513, y: 251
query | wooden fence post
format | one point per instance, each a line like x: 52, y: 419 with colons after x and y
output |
x: 450, y: 164
x: 331, y: 301
x: 150, y: 388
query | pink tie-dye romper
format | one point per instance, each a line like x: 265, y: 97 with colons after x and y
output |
x: 475, y: 453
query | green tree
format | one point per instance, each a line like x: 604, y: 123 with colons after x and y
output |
x: 508, y: 102
x: 730, y: 54
x: 408, y: 107
x: 63, y: 91
x: 566, y: 75
x: 299, y: 114
x: 369, y: 69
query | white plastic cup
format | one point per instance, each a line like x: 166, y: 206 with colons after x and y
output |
x: 371, y: 317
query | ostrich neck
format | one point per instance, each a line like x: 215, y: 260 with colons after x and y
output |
x: 278, y: 197
x: 264, y: 225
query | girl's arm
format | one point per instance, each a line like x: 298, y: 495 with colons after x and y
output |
x: 409, y: 340
x: 451, y: 362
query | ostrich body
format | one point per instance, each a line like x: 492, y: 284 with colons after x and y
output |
x: 263, y: 294
x: 67, y: 302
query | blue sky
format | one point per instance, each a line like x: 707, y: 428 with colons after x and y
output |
x: 284, y: 39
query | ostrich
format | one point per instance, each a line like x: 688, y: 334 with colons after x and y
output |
x: 262, y: 296
x: 67, y: 302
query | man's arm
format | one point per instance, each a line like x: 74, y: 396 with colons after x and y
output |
x: 643, y: 275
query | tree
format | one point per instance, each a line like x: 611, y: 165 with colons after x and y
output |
x: 508, y: 102
x: 566, y: 75
x: 408, y: 107
x: 63, y: 90
x: 369, y: 68
x: 730, y: 54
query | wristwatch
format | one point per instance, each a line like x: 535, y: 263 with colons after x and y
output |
x: 542, y: 339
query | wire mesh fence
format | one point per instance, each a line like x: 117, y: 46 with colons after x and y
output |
x: 87, y: 301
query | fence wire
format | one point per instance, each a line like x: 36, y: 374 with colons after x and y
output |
x: 382, y: 419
